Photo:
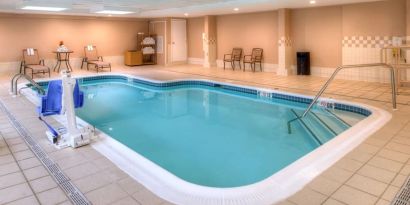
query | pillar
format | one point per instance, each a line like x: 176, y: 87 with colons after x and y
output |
x: 407, y: 74
x: 209, y: 41
x: 285, y: 43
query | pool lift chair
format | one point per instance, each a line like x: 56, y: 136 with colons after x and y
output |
x: 62, y: 97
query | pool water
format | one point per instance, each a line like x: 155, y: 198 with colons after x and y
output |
x: 206, y: 135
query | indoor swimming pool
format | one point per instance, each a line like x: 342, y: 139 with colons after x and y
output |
x: 206, y: 135
x: 207, y: 142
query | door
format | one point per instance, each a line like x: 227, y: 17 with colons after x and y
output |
x: 178, y: 40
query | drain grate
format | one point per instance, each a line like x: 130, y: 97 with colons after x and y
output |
x: 72, y: 192
x: 403, y: 197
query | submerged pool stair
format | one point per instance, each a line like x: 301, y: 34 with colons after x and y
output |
x: 307, y: 112
x: 323, y: 125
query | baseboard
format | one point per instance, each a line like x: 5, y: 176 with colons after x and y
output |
x: 362, y: 74
x: 14, y: 67
x: 267, y: 67
x: 196, y: 61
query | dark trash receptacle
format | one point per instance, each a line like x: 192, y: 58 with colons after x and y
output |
x: 303, y: 63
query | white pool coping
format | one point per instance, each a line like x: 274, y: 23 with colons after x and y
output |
x: 275, y: 188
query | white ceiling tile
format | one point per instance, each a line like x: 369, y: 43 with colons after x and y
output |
x: 175, y: 8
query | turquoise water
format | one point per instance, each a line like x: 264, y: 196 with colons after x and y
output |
x: 203, y: 135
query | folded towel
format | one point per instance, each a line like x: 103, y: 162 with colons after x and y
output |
x: 148, y: 50
x: 30, y: 51
x: 148, y: 41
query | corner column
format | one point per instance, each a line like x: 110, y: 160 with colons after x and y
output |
x: 285, y: 43
x: 209, y: 41
x: 407, y: 74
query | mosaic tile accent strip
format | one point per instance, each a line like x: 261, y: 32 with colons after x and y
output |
x: 250, y: 91
x: 285, y: 41
x: 367, y: 41
x: 210, y: 40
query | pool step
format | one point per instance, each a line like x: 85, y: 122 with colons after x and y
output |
x: 323, y: 126
x: 331, y: 120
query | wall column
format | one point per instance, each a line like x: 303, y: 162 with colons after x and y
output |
x: 285, y: 43
x: 209, y: 41
x: 407, y: 37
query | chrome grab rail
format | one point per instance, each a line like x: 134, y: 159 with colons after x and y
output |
x: 324, y: 87
x: 17, y: 77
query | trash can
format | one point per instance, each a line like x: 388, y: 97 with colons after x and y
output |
x: 303, y: 63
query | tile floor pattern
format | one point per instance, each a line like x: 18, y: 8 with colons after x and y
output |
x: 370, y: 174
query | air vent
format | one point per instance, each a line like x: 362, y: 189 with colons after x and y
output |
x: 403, y: 197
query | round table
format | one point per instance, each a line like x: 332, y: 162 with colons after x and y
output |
x: 63, y: 56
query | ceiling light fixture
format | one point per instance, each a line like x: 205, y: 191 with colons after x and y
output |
x: 116, y: 12
x: 43, y: 8
x: 312, y: 2
x: 236, y: 9
x: 101, y: 9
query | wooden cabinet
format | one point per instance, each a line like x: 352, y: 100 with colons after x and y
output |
x: 133, y: 58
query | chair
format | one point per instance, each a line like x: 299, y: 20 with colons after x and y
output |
x: 235, y: 56
x: 92, y: 58
x: 255, y: 58
x: 31, y: 61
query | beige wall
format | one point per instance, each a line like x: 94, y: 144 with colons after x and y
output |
x: 384, y: 18
x: 319, y: 31
x: 111, y: 36
x: 407, y: 17
x: 195, y: 29
x: 252, y: 30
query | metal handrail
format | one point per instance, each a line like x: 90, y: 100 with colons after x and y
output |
x: 322, y: 90
x: 18, y: 76
x: 324, y: 87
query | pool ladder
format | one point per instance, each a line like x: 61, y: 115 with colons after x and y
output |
x: 17, y: 77
x: 332, y: 77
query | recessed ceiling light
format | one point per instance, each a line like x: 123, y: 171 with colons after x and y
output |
x: 43, y: 8
x: 114, y: 12
x: 236, y: 9
x: 186, y: 14
x: 312, y: 2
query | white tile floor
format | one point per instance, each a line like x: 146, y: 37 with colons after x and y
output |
x: 370, y: 174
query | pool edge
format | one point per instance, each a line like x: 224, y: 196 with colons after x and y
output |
x: 273, y: 189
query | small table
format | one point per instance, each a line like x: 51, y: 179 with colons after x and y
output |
x: 63, y: 56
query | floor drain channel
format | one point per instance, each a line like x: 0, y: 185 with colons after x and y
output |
x: 72, y: 192
x: 403, y: 197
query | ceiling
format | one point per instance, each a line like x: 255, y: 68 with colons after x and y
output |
x: 166, y: 8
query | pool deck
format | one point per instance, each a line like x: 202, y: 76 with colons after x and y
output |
x: 371, y: 174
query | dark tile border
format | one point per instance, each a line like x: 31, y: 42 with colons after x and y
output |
x: 271, y: 95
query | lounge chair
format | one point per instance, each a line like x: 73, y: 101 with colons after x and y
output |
x: 32, y: 62
x: 92, y: 58
x: 235, y: 56
x: 255, y: 58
